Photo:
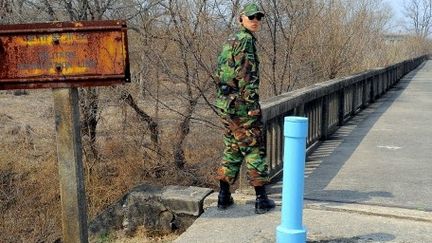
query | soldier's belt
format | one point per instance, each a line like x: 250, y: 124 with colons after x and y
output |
x: 226, y: 89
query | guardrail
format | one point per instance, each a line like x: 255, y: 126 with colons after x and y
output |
x: 327, y: 105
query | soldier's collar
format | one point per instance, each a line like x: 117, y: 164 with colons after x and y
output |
x: 242, y: 28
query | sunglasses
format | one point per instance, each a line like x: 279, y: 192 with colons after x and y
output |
x: 255, y: 16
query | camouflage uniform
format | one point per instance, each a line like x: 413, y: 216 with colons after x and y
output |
x: 238, y: 102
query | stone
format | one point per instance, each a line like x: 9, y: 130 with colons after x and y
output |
x: 154, y: 208
x: 109, y: 219
x: 143, y: 207
x: 185, y: 200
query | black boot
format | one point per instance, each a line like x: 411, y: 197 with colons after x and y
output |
x: 262, y: 203
x: 224, y: 199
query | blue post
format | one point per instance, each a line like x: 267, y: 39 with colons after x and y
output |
x: 291, y: 229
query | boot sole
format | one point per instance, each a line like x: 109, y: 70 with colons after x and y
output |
x: 262, y: 210
x: 223, y: 207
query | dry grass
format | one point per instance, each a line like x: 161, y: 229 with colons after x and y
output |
x: 29, y: 188
x: 141, y: 236
x: 29, y: 191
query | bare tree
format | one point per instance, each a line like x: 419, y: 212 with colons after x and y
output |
x: 5, y: 9
x: 280, y: 41
x: 172, y: 134
x: 343, y: 37
x: 419, y: 15
x: 186, y: 32
x: 16, y: 11
x: 77, y: 10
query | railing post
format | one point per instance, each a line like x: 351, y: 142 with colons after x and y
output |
x: 300, y: 110
x: 354, y: 99
x: 386, y: 84
x: 381, y: 79
x: 341, y: 112
x: 364, y: 93
x: 373, y: 87
x: 325, y: 117
x: 291, y: 228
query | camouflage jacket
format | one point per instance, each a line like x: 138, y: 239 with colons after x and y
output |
x: 237, y: 76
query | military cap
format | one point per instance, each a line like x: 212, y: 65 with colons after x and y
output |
x: 251, y: 9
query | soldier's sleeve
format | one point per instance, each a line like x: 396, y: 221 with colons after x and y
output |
x: 243, y: 57
x: 233, y: 64
x: 247, y: 72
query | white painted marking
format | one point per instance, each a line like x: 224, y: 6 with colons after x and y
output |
x: 389, y: 147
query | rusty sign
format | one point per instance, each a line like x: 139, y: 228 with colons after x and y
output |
x: 63, y: 54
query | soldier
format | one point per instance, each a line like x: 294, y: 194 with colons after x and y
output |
x: 238, y: 102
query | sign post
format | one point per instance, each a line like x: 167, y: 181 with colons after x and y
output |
x: 64, y: 56
x: 70, y: 166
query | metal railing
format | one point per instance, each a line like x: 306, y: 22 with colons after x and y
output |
x: 327, y: 105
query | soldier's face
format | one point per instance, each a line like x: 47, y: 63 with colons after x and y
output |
x: 252, y: 23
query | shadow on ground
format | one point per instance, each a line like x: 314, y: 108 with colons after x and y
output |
x: 348, y: 196
x: 375, y: 237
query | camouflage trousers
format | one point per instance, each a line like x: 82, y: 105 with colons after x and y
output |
x: 243, y: 140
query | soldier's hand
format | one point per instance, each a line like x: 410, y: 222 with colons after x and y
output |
x: 256, y: 112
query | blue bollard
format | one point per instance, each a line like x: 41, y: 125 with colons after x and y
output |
x: 291, y: 229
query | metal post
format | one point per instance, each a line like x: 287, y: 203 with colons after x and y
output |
x: 69, y: 152
x: 291, y: 228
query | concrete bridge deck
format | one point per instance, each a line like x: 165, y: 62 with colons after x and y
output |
x: 370, y: 182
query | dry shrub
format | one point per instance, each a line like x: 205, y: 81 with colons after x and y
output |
x: 29, y: 186
x: 171, y: 82
x: 127, y: 157
x: 31, y: 211
x: 141, y: 236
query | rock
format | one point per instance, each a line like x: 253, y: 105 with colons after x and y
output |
x: 156, y: 209
x: 185, y: 200
x: 143, y: 207
x: 110, y: 219
x: 20, y: 92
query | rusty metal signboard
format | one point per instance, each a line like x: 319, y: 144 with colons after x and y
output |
x: 63, y: 54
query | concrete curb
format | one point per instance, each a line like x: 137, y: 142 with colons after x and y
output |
x: 239, y: 199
